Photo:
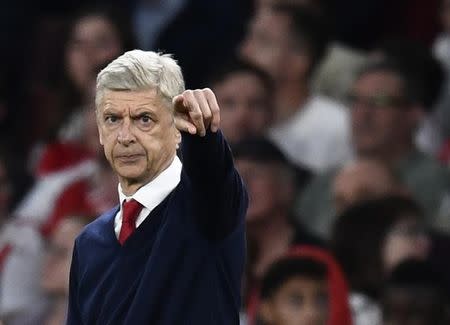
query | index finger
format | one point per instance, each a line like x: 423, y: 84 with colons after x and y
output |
x: 214, y: 107
x: 194, y: 112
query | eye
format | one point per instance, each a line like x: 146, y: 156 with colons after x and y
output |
x: 145, y: 119
x: 296, y: 299
x: 111, y: 119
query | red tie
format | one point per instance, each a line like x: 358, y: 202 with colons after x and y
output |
x: 130, y: 212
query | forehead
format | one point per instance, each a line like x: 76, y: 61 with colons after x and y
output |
x: 274, y: 24
x: 304, y: 284
x: 379, y: 81
x: 85, y: 26
x: 125, y: 99
x: 241, y: 75
x: 369, y: 169
x: 244, y: 80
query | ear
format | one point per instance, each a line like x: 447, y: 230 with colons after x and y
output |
x: 266, y: 312
x: 97, y: 118
x: 100, y: 134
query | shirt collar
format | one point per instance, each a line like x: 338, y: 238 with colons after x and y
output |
x: 154, y: 192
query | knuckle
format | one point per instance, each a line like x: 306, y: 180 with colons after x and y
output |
x: 198, y: 94
x: 196, y: 115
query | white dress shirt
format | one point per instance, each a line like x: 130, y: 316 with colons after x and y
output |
x: 151, y: 194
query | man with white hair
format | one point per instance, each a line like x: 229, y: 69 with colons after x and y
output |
x: 172, y: 252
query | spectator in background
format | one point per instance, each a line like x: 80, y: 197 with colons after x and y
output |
x: 335, y: 73
x: 271, y: 183
x: 385, y: 113
x: 56, y: 268
x: 414, y: 294
x: 359, y: 180
x: 305, y: 287
x: 244, y: 93
x: 69, y: 167
x: 96, y: 34
x: 91, y: 193
x: 288, y: 42
x: 418, y: 61
x: 72, y: 180
x: 294, y: 291
x: 20, y: 256
x: 369, y: 240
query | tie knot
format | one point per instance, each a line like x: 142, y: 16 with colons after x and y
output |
x: 131, y: 210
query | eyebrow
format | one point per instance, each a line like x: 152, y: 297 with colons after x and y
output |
x: 140, y: 110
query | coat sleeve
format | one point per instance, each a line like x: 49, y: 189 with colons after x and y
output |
x: 74, y: 313
x: 218, y: 191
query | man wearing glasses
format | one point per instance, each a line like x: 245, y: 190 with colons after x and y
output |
x: 385, y: 109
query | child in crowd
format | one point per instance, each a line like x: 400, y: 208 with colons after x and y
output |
x: 305, y: 287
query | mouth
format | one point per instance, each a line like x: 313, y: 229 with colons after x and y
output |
x: 129, y: 158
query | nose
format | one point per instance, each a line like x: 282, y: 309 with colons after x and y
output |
x: 312, y: 316
x: 242, y: 115
x: 361, y: 112
x: 125, y: 135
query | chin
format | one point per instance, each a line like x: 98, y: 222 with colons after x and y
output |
x: 132, y: 175
x: 254, y: 217
x: 366, y: 148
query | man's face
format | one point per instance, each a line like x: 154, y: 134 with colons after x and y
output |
x: 268, y: 44
x: 300, y: 301
x: 93, y: 42
x: 245, y: 107
x: 138, y: 134
x: 263, y: 186
x: 380, y: 114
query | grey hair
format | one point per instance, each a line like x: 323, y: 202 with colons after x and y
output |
x: 141, y: 70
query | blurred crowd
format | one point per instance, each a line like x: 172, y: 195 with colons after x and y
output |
x: 338, y: 116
